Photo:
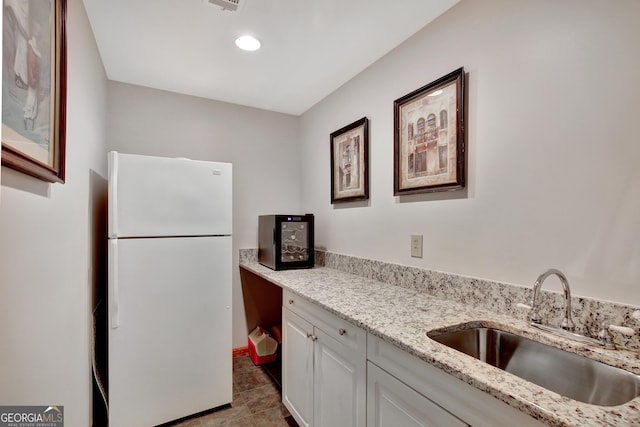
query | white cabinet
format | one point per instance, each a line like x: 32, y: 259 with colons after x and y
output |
x: 390, y: 402
x: 324, y: 366
x: 335, y: 374
x: 297, y: 368
x: 340, y: 383
x: 472, y: 406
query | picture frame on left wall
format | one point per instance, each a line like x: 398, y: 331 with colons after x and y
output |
x: 34, y: 80
x: 350, y: 162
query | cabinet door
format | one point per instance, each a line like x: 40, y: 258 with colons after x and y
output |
x: 297, y: 367
x: 391, y: 403
x: 340, y: 383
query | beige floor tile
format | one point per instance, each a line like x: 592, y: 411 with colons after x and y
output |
x: 241, y: 364
x: 224, y: 416
x: 262, y: 403
x: 270, y: 418
x: 250, y: 379
x: 255, y: 393
x: 247, y: 421
x: 257, y: 401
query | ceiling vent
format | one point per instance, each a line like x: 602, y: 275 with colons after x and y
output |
x: 231, y: 5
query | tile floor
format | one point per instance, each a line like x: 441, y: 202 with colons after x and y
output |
x: 257, y: 401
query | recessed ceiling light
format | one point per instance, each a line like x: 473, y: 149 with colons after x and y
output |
x: 249, y: 43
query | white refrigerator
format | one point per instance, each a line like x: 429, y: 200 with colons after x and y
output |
x: 169, y: 292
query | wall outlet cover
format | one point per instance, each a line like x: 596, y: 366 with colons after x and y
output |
x: 416, y: 245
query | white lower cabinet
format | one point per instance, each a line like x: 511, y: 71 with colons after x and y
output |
x: 297, y: 368
x: 324, y: 366
x: 340, y: 383
x: 336, y: 375
x: 392, y: 403
x: 453, y: 399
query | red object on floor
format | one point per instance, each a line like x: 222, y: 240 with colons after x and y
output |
x: 260, y: 360
x: 262, y: 347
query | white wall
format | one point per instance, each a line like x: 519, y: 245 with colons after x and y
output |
x: 46, y: 251
x: 553, y: 148
x: 263, y: 147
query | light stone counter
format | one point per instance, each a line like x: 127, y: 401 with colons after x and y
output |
x: 403, y: 316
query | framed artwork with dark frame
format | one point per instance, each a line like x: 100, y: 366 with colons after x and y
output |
x: 429, y: 137
x: 34, y: 80
x: 350, y: 162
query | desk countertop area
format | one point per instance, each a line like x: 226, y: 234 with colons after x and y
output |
x: 403, y: 317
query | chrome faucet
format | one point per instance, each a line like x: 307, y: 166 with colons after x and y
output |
x: 567, y: 323
x: 567, y: 327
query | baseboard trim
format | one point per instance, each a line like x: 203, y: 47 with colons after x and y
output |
x: 240, y: 352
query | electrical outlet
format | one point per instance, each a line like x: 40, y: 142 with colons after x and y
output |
x: 416, y: 245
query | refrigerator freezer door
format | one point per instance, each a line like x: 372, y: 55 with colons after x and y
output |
x: 156, y: 196
x: 170, y: 355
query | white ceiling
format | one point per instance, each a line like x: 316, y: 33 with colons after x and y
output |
x: 309, y: 47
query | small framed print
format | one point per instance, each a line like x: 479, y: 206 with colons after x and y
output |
x: 429, y: 137
x: 350, y: 162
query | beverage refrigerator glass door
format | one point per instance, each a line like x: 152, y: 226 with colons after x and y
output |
x: 286, y: 241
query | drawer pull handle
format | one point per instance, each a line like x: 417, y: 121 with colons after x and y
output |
x: 314, y: 338
x: 290, y: 301
x: 342, y: 331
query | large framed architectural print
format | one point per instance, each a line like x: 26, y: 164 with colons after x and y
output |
x: 350, y: 162
x: 429, y: 137
x: 34, y: 75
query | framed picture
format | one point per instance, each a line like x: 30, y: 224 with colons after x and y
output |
x: 34, y: 77
x: 429, y: 137
x: 350, y: 162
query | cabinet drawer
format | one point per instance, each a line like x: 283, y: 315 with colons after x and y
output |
x: 341, y: 330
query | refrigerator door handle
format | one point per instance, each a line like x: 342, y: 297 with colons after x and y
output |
x: 114, y: 313
x: 112, y: 203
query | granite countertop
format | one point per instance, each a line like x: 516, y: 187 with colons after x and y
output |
x: 403, y: 317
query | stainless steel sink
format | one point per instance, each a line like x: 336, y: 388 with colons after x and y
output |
x: 565, y: 373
